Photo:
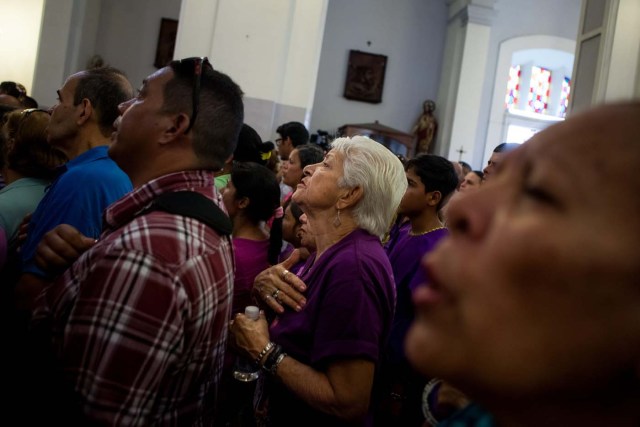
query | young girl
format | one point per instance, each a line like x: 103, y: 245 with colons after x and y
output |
x: 251, y: 197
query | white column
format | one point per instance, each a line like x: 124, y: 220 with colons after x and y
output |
x: 623, y: 66
x: 460, y: 95
x: 53, y: 50
x: 67, y: 40
x: 607, y: 65
x: 271, y: 49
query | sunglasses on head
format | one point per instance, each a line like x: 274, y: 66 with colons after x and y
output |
x: 198, y: 63
x: 26, y: 113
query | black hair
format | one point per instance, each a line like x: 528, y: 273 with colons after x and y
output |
x: 260, y: 186
x: 250, y: 147
x: 28, y: 102
x: 309, y: 154
x: 466, y: 167
x: 480, y: 174
x: 221, y: 111
x: 13, y: 89
x: 4, y: 110
x: 296, y: 211
x: 106, y: 88
x: 436, y: 174
x: 296, y: 131
x: 505, y: 147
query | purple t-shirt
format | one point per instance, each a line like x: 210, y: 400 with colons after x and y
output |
x: 405, y: 254
x: 251, y: 259
x: 286, y: 253
x: 350, y: 304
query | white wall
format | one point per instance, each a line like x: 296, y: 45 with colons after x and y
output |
x: 50, y: 70
x: 128, y: 34
x: 410, y: 32
x: 270, y: 48
x: 123, y: 32
x: 625, y: 52
x: 19, y: 34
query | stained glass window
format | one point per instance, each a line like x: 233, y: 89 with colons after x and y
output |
x: 564, y: 97
x: 539, y: 90
x: 513, y: 87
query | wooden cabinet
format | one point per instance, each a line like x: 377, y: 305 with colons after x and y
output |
x: 397, y: 141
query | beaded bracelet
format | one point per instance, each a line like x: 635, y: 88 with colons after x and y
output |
x: 264, y: 351
x: 429, y: 397
x: 272, y: 357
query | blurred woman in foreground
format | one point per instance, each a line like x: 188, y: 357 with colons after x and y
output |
x: 532, y: 305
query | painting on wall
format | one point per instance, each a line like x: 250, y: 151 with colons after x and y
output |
x: 365, y: 77
x: 166, y: 42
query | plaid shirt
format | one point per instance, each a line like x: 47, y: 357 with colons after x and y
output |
x: 139, y: 322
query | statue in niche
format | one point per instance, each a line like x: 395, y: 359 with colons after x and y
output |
x: 426, y: 127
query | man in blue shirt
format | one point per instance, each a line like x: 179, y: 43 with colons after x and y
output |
x: 81, y: 126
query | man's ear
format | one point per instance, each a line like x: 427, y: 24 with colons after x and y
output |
x: 176, y: 126
x: 350, y: 197
x: 434, y: 197
x: 243, y: 203
x: 85, y: 109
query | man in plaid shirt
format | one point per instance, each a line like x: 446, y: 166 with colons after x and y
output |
x: 139, y: 322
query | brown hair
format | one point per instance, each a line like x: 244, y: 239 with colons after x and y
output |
x: 25, y: 148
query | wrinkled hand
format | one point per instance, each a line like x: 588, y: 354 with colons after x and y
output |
x: 60, y: 247
x: 247, y: 335
x: 278, y: 287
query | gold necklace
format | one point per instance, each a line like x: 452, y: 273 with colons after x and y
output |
x: 411, y: 233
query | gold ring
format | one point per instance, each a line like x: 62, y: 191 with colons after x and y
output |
x: 284, y: 275
x: 275, y: 294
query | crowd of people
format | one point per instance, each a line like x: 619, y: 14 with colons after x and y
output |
x: 136, y: 227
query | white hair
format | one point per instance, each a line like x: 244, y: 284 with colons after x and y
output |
x: 371, y: 166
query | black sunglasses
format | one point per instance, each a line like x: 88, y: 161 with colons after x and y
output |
x: 198, y: 63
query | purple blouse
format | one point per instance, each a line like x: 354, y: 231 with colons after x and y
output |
x: 251, y: 259
x: 350, y: 304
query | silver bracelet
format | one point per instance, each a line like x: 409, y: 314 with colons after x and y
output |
x: 274, y: 368
x: 426, y: 410
x: 264, y: 351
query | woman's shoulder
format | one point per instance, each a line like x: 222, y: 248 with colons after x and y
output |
x: 356, y: 248
x: 358, y: 258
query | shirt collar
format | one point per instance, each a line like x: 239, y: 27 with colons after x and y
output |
x: 129, y: 206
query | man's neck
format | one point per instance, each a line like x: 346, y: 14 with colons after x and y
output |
x: 82, y: 144
x: 428, y: 220
x: 10, y: 175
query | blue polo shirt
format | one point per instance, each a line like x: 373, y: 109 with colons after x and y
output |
x: 78, y: 196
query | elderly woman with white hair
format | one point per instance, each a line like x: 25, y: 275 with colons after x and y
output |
x: 321, y: 360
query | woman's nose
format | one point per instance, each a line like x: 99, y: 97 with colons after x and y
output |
x: 469, y: 214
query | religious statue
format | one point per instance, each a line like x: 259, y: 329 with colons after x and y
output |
x: 426, y: 127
